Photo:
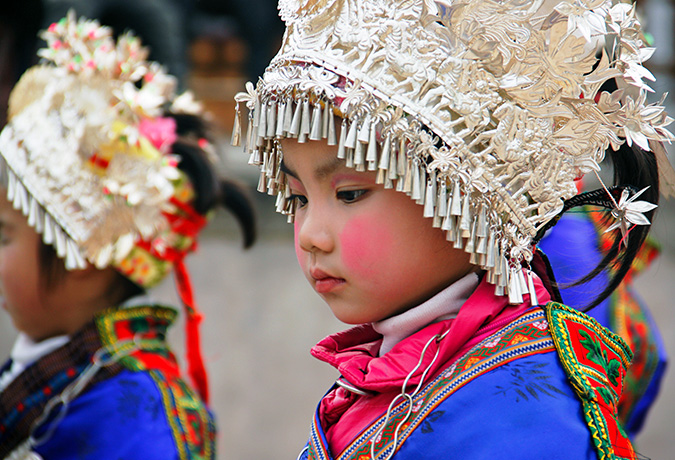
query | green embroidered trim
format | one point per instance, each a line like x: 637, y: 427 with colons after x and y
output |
x: 137, y: 319
x: 595, y: 346
x: 191, y: 425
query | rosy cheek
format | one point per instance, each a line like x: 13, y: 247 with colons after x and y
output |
x: 365, y: 246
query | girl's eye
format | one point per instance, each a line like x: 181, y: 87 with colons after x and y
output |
x: 301, y: 199
x: 350, y: 196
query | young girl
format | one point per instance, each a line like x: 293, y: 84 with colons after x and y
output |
x: 107, y: 182
x: 483, y: 114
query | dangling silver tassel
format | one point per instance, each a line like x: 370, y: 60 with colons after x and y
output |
x: 456, y: 207
x: 490, y: 261
x: 410, y: 171
x: 402, y: 159
x: 360, y: 156
x: 459, y: 241
x: 294, y: 131
x: 48, y: 233
x: 402, y: 179
x: 381, y: 177
x: 392, y: 171
x: 481, y: 246
x: 280, y: 202
x: 305, y: 120
x: 422, y: 184
x: 281, y: 117
x: 341, y: 153
x: 32, y: 211
x: 271, y: 120
x: 262, y: 183
x: 482, y: 223
x: 499, y: 266
x: 515, y: 293
x: 522, y: 280
x: 74, y: 259
x: 288, y: 117
x: 442, y: 200
x: 249, y: 134
x: 254, y: 159
x: 371, y: 156
x: 332, y: 137
x: 60, y: 240
x: 471, y: 241
x: 465, y: 222
x: 349, y: 161
x: 256, y: 113
x: 315, y: 134
x: 364, y: 131
x: 429, y: 210
x: 236, y: 128
x: 534, y: 301
x: 350, y: 141
x: 262, y: 123
x: 416, y: 192
x: 450, y: 228
x: 325, y: 121
x: 384, y: 156
x: 449, y: 220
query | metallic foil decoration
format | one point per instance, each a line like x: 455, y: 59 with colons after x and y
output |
x: 498, y: 103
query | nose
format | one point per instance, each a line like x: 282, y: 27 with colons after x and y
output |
x: 313, y: 229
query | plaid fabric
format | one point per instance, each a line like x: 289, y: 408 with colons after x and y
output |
x: 25, y: 398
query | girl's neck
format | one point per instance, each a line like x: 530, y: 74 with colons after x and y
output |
x: 444, y: 305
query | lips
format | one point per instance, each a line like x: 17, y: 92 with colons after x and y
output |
x: 324, y: 282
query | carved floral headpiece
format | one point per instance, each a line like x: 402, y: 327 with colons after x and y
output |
x: 86, y: 155
x: 484, y: 112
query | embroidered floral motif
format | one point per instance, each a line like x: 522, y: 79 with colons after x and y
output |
x: 528, y: 379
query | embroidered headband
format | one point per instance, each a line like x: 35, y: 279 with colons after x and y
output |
x: 86, y: 157
x: 483, y: 112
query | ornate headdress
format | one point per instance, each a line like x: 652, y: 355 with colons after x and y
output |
x: 484, y: 112
x: 86, y: 156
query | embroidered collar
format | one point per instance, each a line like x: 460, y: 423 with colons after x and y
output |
x: 142, y: 328
x: 354, y: 352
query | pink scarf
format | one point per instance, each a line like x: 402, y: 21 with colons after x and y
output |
x: 354, y: 353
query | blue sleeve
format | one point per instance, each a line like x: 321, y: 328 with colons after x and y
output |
x: 121, y: 418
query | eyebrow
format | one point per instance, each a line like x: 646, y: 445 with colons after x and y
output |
x: 320, y: 172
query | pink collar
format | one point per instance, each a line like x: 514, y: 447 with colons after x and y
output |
x: 354, y: 352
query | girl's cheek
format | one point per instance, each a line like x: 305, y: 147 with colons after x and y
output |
x: 299, y: 253
x: 365, y: 246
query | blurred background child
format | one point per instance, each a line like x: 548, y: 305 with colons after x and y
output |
x: 108, y: 179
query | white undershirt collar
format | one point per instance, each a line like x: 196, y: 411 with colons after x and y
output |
x: 444, y: 305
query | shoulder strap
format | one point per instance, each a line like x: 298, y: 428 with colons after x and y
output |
x: 595, y: 360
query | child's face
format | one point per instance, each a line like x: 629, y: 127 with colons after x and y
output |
x: 20, y: 286
x: 368, y: 251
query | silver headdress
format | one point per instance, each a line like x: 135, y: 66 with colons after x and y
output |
x: 484, y: 112
x: 86, y: 155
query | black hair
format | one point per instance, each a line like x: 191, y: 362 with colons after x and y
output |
x: 210, y: 190
x: 634, y: 169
